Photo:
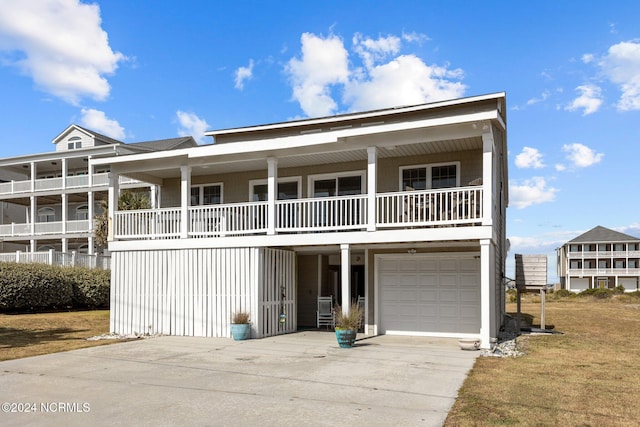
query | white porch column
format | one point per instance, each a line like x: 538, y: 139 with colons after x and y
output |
x: 345, y: 270
x: 65, y: 213
x: 487, y: 174
x: 64, y: 173
x: 33, y: 176
x: 32, y: 219
x: 272, y: 194
x: 185, y: 200
x: 33, y: 205
x: 486, y: 286
x: 152, y: 196
x: 372, y: 188
x: 65, y: 245
x: 114, y: 192
x: 90, y: 205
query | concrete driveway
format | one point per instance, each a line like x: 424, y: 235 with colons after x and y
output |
x: 290, y: 380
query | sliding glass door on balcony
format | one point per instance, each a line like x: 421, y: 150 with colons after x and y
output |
x: 335, y: 206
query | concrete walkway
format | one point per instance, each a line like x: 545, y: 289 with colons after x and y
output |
x: 301, y: 379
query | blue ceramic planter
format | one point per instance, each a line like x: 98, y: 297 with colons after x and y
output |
x: 346, y: 337
x: 240, y: 331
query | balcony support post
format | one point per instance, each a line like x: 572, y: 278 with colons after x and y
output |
x: 272, y: 194
x: 345, y: 272
x: 185, y: 199
x: 488, y: 167
x: 487, y: 292
x: 114, y: 192
x: 64, y: 173
x: 372, y: 179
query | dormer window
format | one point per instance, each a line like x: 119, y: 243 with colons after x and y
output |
x: 74, y: 142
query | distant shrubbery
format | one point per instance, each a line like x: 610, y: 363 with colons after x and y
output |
x: 44, y: 287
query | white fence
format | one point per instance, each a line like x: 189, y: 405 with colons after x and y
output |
x: 194, y: 292
x: 52, y: 257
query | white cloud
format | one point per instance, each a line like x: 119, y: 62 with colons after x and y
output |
x: 531, y: 192
x: 406, y: 80
x: 98, y: 121
x: 372, y: 51
x: 242, y: 74
x: 622, y: 66
x: 60, y: 44
x: 589, y: 101
x: 324, y: 63
x: 587, y: 58
x: 581, y: 156
x: 385, y: 79
x: 414, y: 37
x: 529, y: 158
x: 192, y: 125
x: 542, y: 97
x: 560, y: 167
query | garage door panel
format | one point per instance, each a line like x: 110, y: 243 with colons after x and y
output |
x: 430, y: 295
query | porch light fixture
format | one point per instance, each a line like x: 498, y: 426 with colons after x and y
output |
x: 411, y: 251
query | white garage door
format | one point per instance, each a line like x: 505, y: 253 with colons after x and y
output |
x: 629, y: 283
x: 429, y: 295
x: 579, y: 284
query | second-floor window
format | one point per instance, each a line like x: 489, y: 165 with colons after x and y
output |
x: 423, y: 177
x: 208, y: 194
x: 82, y: 212
x: 46, y: 215
x: 288, y: 188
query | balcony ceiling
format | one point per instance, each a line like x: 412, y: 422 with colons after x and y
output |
x: 339, y: 155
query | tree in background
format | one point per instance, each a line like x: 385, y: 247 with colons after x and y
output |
x: 128, y: 200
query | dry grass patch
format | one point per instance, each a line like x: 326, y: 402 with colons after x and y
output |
x: 587, y: 376
x: 24, y: 335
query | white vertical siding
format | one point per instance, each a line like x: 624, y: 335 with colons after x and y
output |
x: 194, y: 292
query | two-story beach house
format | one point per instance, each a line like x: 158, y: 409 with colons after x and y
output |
x: 48, y: 200
x: 401, y: 208
x: 599, y: 258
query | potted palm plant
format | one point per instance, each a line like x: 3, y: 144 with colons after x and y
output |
x: 240, y: 326
x: 347, y: 325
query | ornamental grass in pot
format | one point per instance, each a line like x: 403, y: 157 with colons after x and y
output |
x: 347, y: 324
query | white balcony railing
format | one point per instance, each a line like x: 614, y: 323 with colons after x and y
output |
x: 460, y: 206
x: 595, y: 255
x: 230, y: 219
x: 322, y: 213
x: 45, y: 228
x: 53, y: 184
x: 622, y: 271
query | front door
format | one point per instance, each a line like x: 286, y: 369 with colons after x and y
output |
x: 603, y: 282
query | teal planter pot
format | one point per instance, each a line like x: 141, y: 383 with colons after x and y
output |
x: 240, y: 331
x: 346, y: 337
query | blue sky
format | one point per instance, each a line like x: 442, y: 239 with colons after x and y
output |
x: 144, y: 70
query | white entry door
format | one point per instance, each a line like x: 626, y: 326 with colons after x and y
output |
x: 434, y: 295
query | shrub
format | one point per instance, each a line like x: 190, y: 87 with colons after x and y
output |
x: 619, y: 290
x: 600, y: 293
x: 40, y: 287
x: 513, y: 295
x: 563, y: 293
x: 90, y: 287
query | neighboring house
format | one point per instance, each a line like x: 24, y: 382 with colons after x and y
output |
x: 48, y: 200
x: 404, y: 207
x: 599, y: 258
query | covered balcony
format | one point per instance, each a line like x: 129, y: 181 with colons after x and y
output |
x: 462, y: 206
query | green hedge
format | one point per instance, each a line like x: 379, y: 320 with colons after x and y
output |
x: 43, y: 287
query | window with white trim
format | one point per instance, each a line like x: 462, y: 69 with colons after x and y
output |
x: 430, y: 176
x: 338, y: 184
x: 206, y: 194
x: 288, y: 188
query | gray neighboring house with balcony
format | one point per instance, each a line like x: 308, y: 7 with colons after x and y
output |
x: 599, y: 258
x: 48, y: 200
